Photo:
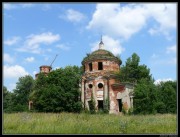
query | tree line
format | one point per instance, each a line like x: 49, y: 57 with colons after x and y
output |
x: 149, y: 98
x: 60, y: 91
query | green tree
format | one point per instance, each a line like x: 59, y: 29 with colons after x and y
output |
x: 167, y: 93
x: 20, y: 97
x: 58, y: 91
x: 132, y: 71
x: 7, y: 100
x: 145, y: 97
x: 148, y: 97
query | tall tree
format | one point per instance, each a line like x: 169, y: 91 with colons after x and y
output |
x: 132, y: 71
x: 7, y: 100
x: 59, y: 91
x: 167, y: 93
x: 145, y: 97
x: 24, y: 87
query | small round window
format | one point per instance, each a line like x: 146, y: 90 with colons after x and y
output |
x: 90, y: 85
x: 100, y: 85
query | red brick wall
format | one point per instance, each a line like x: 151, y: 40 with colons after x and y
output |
x: 107, y: 65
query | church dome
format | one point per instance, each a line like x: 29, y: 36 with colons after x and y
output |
x: 101, y: 54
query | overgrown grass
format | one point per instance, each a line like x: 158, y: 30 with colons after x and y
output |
x: 69, y: 123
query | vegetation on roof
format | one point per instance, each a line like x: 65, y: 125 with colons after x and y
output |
x: 101, y: 54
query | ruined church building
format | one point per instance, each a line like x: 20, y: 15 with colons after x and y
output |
x: 100, y: 82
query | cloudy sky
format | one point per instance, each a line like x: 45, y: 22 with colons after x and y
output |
x: 33, y: 33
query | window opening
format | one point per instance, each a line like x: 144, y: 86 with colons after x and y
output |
x: 100, y: 66
x: 100, y: 85
x: 90, y: 66
x: 90, y: 85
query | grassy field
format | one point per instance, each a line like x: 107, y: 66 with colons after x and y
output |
x: 69, y: 123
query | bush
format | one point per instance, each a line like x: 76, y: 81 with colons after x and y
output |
x: 160, y: 107
x: 106, y: 106
x: 124, y: 111
x: 130, y: 111
x: 92, y: 107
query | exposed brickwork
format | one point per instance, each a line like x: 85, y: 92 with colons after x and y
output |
x: 112, y: 89
x: 44, y: 69
x: 106, y: 64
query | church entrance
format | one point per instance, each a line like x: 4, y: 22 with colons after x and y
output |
x: 100, y: 104
x: 120, y: 104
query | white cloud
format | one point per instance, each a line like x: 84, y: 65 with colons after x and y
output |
x: 124, y: 21
x: 8, y: 58
x: 164, y: 14
x: 109, y: 44
x: 33, y: 42
x: 73, y: 16
x: 8, y: 6
x: 29, y: 59
x: 117, y: 21
x: 14, y: 72
x: 44, y: 38
x: 12, y: 41
x: 171, y: 49
x: 63, y: 47
x: 162, y: 80
x: 27, y: 5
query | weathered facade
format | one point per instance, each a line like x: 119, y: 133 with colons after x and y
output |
x: 44, y: 69
x: 100, y: 82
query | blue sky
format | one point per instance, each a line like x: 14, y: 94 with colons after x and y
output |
x: 33, y: 33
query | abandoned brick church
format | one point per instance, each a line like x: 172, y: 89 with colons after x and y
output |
x: 100, y: 82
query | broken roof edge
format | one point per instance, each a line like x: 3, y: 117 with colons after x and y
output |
x: 126, y: 84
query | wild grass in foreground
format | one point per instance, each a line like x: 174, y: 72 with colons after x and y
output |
x: 69, y: 123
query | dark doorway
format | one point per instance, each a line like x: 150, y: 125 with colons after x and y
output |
x: 100, y: 104
x: 120, y: 105
x: 100, y: 66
